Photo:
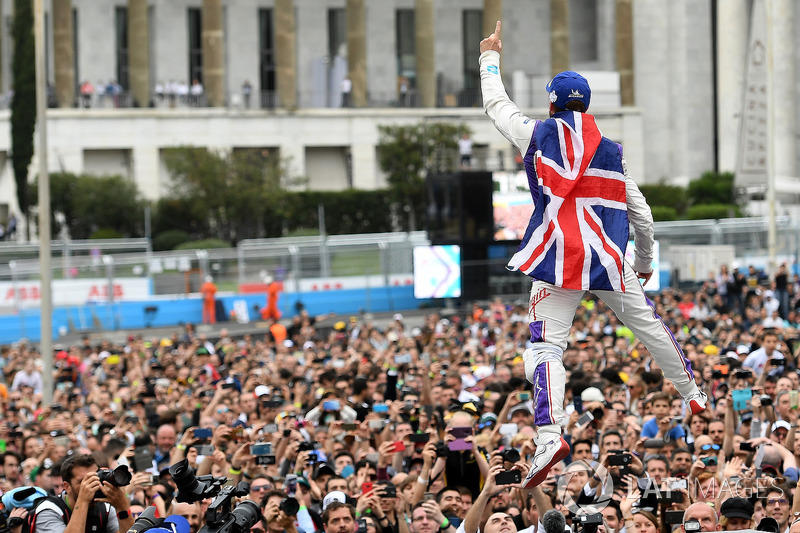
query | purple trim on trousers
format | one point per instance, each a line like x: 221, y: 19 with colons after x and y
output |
x: 537, y: 331
x: 541, y: 388
x: 687, y: 365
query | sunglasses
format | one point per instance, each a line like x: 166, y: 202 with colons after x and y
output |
x: 260, y: 488
x: 707, y: 447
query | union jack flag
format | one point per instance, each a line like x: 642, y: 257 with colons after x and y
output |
x: 578, y: 231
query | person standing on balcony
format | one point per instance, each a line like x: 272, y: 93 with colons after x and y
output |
x: 465, y: 150
x: 347, y: 92
x: 583, y: 200
x: 209, y: 290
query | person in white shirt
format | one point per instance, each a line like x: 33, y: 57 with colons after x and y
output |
x: 758, y: 358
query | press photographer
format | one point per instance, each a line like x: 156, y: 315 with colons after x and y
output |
x: 91, y: 501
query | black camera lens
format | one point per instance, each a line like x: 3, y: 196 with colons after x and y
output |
x: 442, y: 450
x: 290, y: 506
x: 184, y: 478
x: 511, y: 455
x: 247, y: 514
x: 119, y: 477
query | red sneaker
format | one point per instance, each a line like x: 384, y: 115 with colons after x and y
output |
x: 547, y: 455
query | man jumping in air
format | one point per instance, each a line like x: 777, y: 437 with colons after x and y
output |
x: 584, y: 200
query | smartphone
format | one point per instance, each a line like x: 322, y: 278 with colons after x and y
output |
x: 418, y: 438
x: 228, y: 385
x: 524, y: 396
x: 150, y: 481
x: 402, y: 359
x: 619, y: 459
x: 265, y: 460
x: 673, y: 517
x: 236, y: 433
x: 204, y: 449
x: 261, y: 448
x: 349, y: 426
x: 142, y: 459
x: 397, y: 446
x: 428, y: 496
x: 366, y: 487
x: 746, y: 446
x: 380, y: 408
x: 61, y: 441
x: 509, y: 429
x: 362, y: 525
x: 654, y: 443
x: 585, y: 418
x: 741, y: 398
x: 202, y: 433
x: 376, y: 424
x: 461, y: 432
x: 679, y: 484
x: 372, y: 457
x: 577, y: 402
x: 331, y: 405
x: 793, y: 399
x: 509, y: 477
x: 270, y: 428
x: 669, y: 496
x: 196, y: 418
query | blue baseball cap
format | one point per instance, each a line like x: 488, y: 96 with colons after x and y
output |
x: 568, y: 86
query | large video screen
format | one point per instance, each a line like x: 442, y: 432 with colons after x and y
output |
x: 512, y: 205
x: 437, y: 271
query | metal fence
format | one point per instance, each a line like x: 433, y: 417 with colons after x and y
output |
x: 374, y: 257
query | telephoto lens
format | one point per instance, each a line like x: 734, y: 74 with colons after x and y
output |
x: 185, y: 480
x: 247, y: 514
x: 290, y: 506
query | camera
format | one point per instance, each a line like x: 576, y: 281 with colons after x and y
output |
x: 290, y: 506
x: 265, y: 460
x: 306, y: 446
x: 587, y: 523
x: 220, y: 518
x: 510, y: 455
x: 119, y: 477
x: 442, y: 450
x: 766, y: 400
x: 619, y: 458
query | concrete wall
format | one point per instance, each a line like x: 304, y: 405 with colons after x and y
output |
x: 74, y: 133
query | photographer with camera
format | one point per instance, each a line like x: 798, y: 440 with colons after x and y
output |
x: 79, y: 509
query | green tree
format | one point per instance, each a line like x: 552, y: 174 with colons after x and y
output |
x: 408, y: 153
x: 23, y: 104
x: 711, y: 188
x: 89, y: 203
x: 661, y: 194
x: 231, y: 191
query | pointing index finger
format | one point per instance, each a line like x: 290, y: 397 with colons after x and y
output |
x: 497, y: 28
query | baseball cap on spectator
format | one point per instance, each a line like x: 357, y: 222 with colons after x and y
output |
x: 568, y: 86
x: 523, y: 407
x: 176, y: 523
x: 737, y: 508
x: 768, y: 524
x: 288, y: 343
x: 710, y: 349
x: 323, y: 469
x: 781, y: 424
x: 261, y: 390
x: 309, y: 345
x: 416, y: 332
x: 592, y: 394
x: 482, y: 372
x: 487, y: 419
x: 398, y: 317
x: 335, y: 496
x: 743, y: 349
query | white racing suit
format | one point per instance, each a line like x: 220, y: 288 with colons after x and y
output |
x: 552, y: 306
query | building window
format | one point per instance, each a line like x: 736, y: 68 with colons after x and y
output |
x: 195, y: 44
x: 472, y: 36
x: 406, y: 46
x: 337, y: 31
x: 583, y: 17
x: 267, y: 55
x: 123, y: 63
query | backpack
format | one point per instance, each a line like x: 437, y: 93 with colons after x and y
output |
x: 96, y: 520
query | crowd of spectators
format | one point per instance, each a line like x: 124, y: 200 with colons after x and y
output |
x: 416, y: 429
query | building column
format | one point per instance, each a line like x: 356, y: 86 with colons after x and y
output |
x: 783, y: 88
x: 64, y: 58
x: 213, y: 53
x: 559, y: 36
x: 356, y: 22
x: 624, y: 23
x: 139, y: 52
x: 492, y: 12
x: 733, y: 20
x: 285, y: 53
x: 425, y: 47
